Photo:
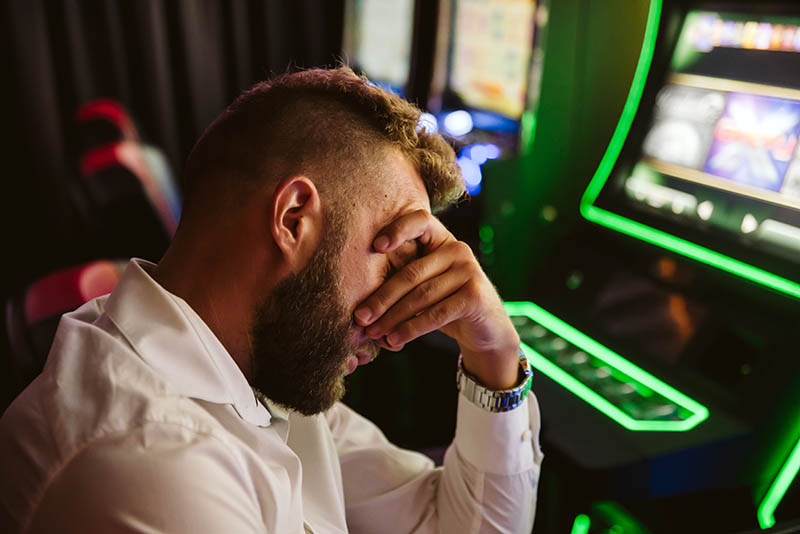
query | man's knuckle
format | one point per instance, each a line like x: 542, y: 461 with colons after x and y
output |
x: 439, y: 314
x: 471, y: 290
x: 405, y: 332
x: 412, y: 273
x: 379, y: 301
x: 474, y: 270
x: 423, y: 291
x: 462, y: 249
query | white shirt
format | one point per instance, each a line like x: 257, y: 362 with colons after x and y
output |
x: 142, y: 422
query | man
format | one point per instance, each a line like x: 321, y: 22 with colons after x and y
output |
x: 201, y: 395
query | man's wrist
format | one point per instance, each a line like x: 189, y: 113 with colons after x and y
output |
x: 496, y: 400
x: 495, y: 370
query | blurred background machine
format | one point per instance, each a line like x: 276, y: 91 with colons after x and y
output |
x: 378, y: 41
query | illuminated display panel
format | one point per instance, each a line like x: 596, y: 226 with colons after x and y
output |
x: 717, y: 176
x: 491, y: 53
x: 382, y: 40
x: 722, y: 147
x: 611, y: 384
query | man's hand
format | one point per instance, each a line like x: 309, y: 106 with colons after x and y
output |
x: 445, y: 289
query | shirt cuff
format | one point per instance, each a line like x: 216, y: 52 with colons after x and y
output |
x: 499, y: 443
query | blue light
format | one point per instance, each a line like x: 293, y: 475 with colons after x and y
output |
x: 389, y: 88
x: 492, y: 151
x: 471, y: 172
x: 483, y: 152
x: 471, y: 158
x: 427, y: 122
x: 458, y: 122
x: 478, y: 154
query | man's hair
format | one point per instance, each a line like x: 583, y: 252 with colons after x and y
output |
x: 328, y: 124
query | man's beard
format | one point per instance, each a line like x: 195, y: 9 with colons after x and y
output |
x: 302, y: 334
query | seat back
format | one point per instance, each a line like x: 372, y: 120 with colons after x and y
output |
x: 127, y: 212
x: 149, y: 166
x: 102, y: 122
x: 32, y: 316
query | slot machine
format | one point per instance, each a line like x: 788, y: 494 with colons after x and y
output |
x: 663, y: 324
x: 377, y: 41
x: 485, y: 79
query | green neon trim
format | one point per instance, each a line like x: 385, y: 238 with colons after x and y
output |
x: 691, y: 250
x: 629, y: 111
x: 527, y: 131
x: 615, y: 514
x: 647, y: 233
x: 779, y: 487
x: 699, y: 413
x: 581, y: 524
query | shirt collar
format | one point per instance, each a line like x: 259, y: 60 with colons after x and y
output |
x: 168, y: 335
x: 277, y: 411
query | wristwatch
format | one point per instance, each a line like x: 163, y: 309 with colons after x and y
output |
x: 496, y: 401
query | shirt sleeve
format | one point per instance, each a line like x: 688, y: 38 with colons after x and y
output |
x: 487, y: 484
x: 137, y: 485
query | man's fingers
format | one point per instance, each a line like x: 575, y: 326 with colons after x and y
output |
x: 393, y: 348
x: 418, y: 225
x: 418, y: 299
x: 434, y: 318
x: 412, y: 275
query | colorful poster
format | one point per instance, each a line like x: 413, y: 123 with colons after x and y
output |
x: 754, y: 140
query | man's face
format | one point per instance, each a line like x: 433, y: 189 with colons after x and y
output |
x: 304, y: 338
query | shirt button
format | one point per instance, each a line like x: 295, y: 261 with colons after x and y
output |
x: 526, y: 435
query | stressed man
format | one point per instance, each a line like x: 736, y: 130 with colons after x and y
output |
x: 202, y: 394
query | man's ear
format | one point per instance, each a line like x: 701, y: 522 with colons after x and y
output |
x: 297, y: 219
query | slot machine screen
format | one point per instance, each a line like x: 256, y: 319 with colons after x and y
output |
x: 380, y: 40
x: 719, y: 162
x: 491, y: 54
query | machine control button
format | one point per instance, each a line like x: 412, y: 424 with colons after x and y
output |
x: 623, y: 391
x: 602, y: 372
x: 633, y: 398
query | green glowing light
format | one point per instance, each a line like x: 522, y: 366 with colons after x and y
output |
x: 686, y: 54
x: 629, y: 111
x: 648, y: 233
x: 779, y: 487
x: 615, y: 514
x: 691, y: 250
x: 486, y: 233
x: 581, y: 524
x: 527, y: 130
x: 616, y: 362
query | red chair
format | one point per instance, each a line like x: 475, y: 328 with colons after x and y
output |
x: 32, y: 316
x: 125, y: 193
x: 136, y: 159
x: 101, y: 122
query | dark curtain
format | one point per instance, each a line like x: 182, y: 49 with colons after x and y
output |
x: 174, y: 64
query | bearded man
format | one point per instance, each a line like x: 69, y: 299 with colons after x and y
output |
x: 202, y: 394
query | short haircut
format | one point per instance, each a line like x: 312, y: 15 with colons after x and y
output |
x: 328, y: 124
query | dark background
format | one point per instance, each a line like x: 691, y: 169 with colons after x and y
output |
x: 174, y: 64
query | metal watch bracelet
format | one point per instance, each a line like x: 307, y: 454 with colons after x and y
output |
x: 491, y: 400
